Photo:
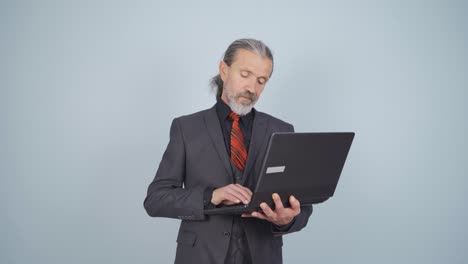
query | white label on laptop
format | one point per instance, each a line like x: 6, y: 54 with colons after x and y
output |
x: 275, y: 169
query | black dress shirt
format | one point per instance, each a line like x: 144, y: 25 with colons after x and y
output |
x: 245, y: 123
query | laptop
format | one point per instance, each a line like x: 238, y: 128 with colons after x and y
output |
x: 306, y: 165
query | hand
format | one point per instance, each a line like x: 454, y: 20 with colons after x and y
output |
x: 280, y: 216
x: 231, y: 194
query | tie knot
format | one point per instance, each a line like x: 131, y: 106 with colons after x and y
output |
x: 234, y: 116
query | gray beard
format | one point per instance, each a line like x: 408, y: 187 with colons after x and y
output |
x: 239, y: 109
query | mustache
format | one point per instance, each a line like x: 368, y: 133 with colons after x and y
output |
x: 248, y: 95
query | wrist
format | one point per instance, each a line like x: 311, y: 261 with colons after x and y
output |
x: 284, y: 222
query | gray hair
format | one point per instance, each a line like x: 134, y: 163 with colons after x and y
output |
x: 253, y: 45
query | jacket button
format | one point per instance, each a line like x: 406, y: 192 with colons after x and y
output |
x: 227, y: 234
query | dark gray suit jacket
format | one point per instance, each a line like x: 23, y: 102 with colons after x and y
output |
x: 196, y: 158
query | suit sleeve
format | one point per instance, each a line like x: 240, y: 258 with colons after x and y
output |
x: 299, y: 222
x: 167, y: 196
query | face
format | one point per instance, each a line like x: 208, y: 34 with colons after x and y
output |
x: 244, y: 80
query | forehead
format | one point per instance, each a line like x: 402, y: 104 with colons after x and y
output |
x: 247, y: 60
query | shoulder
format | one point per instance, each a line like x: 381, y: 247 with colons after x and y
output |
x: 193, y: 117
x: 194, y: 120
x: 274, y: 121
x: 190, y: 124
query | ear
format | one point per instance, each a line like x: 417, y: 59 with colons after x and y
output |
x: 223, y: 70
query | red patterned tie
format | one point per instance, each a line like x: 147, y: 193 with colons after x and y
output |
x: 238, y: 150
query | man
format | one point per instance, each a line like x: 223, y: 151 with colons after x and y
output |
x: 214, y: 158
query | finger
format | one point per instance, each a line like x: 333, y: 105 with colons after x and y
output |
x: 234, y: 190
x: 246, y: 215
x: 259, y: 215
x: 241, y: 196
x: 239, y: 189
x: 227, y: 202
x: 231, y: 197
x: 277, y: 201
x: 245, y: 189
x: 295, y: 204
x: 267, y: 210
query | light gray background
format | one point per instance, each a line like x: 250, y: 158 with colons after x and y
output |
x: 89, y: 88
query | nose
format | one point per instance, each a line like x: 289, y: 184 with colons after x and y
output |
x: 251, y: 86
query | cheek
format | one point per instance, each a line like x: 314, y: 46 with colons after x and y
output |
x: 259, y: 90
x: 230, y: 83
x: 238, y: 83
x: 242, y: 81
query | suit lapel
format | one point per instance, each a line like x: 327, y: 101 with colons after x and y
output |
x: 214, y: 131
x: 259, y: 137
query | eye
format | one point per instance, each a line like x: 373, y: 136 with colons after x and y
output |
x: 261, y: 81
x: 244, y: 74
